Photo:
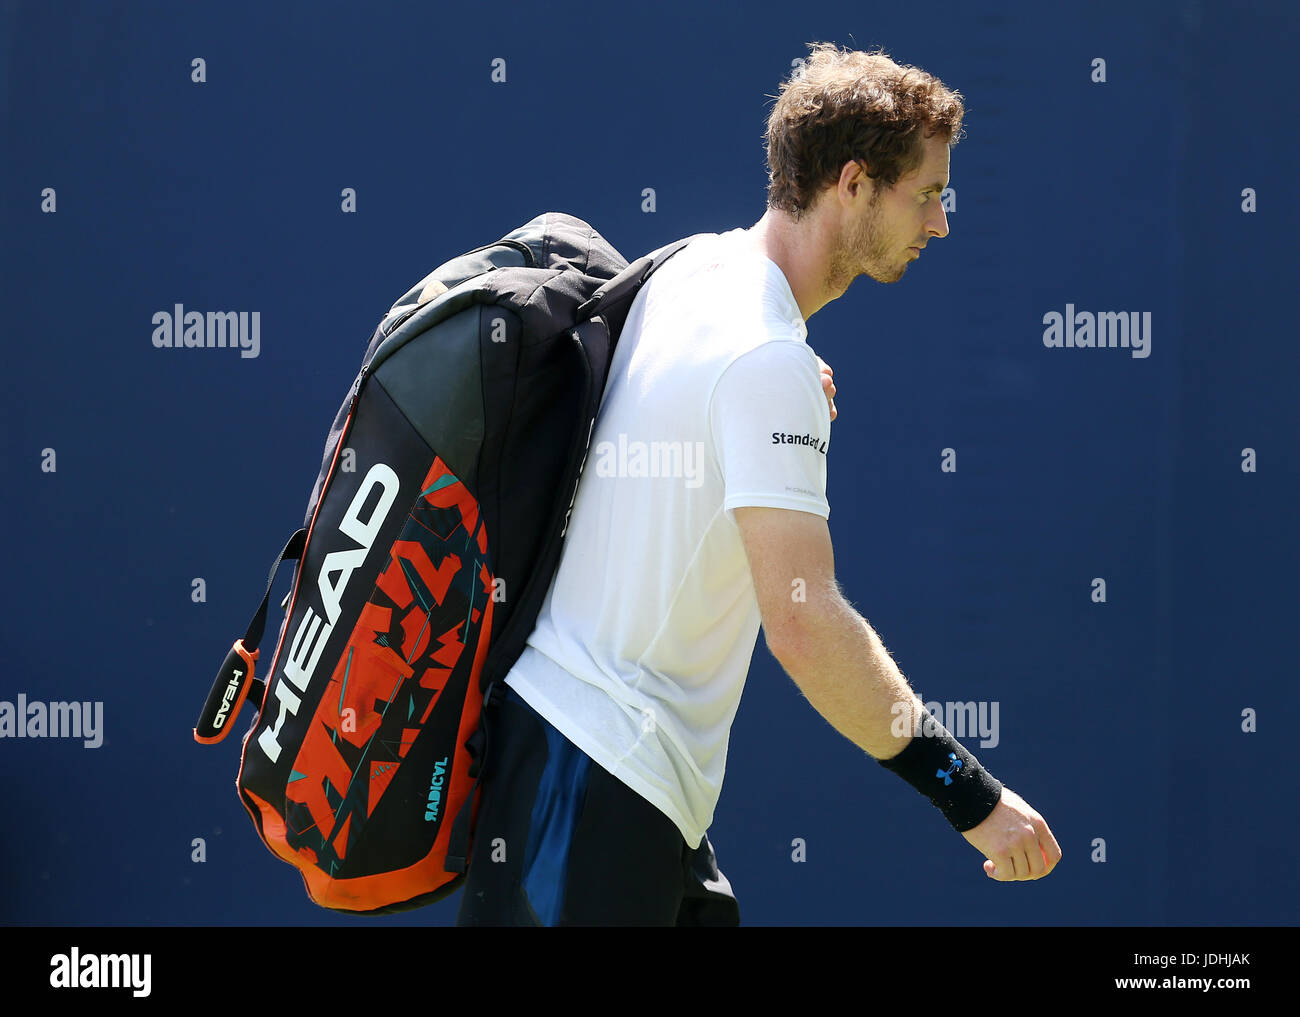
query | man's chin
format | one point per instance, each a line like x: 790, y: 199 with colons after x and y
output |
x: 881, y: 278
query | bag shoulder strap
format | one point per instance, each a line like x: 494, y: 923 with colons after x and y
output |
x: 629, y: 282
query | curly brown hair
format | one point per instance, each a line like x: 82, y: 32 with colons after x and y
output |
x: 846, y: 105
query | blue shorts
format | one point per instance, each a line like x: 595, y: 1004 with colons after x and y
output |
x: 559, y: 841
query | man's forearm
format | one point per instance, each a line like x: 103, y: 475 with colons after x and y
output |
x: 841, y: 665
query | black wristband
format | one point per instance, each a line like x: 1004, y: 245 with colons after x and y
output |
x: 937, y: 765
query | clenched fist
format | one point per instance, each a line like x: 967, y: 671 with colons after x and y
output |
x: 1015, y: 840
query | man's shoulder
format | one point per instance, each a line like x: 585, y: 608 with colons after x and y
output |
x: 725, y: 281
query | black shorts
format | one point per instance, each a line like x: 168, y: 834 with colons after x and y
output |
x: 559, y: 841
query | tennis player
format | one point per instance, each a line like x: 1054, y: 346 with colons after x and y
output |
x: 701, y: 515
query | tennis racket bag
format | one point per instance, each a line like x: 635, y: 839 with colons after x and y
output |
x: 430, y: 539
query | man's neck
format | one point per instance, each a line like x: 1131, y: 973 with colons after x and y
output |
x: 801, y: 251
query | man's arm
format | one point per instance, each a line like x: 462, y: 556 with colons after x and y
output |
x: 841, y: 665
x: 832, y: 653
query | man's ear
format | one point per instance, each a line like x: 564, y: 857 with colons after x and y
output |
x: 854, y: 179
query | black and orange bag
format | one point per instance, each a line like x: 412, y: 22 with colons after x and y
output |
x: 430, y: 539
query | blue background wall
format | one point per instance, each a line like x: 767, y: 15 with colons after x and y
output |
x: 1119, y: 720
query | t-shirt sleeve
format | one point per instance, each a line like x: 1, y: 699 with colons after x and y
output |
x: 771, y: 429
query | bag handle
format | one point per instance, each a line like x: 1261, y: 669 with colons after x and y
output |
x: 235, y: 679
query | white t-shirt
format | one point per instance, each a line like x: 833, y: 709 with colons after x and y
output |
x: 643, y: 643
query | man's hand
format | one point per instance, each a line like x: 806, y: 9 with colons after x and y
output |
x: 1015, y: 840
x: 828, y: 383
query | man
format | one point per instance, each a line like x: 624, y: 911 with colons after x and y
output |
x: 701, y: 508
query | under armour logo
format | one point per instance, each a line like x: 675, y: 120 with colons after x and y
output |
x: 953, y: 766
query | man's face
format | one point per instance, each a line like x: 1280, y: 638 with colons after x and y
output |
x: 878, y: 240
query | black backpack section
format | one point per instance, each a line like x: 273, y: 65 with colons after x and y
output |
x: 510, y: 397
x: 495, y: 363
x: 522, y: 443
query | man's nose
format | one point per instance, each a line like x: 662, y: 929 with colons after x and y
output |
x: 938, y: 225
